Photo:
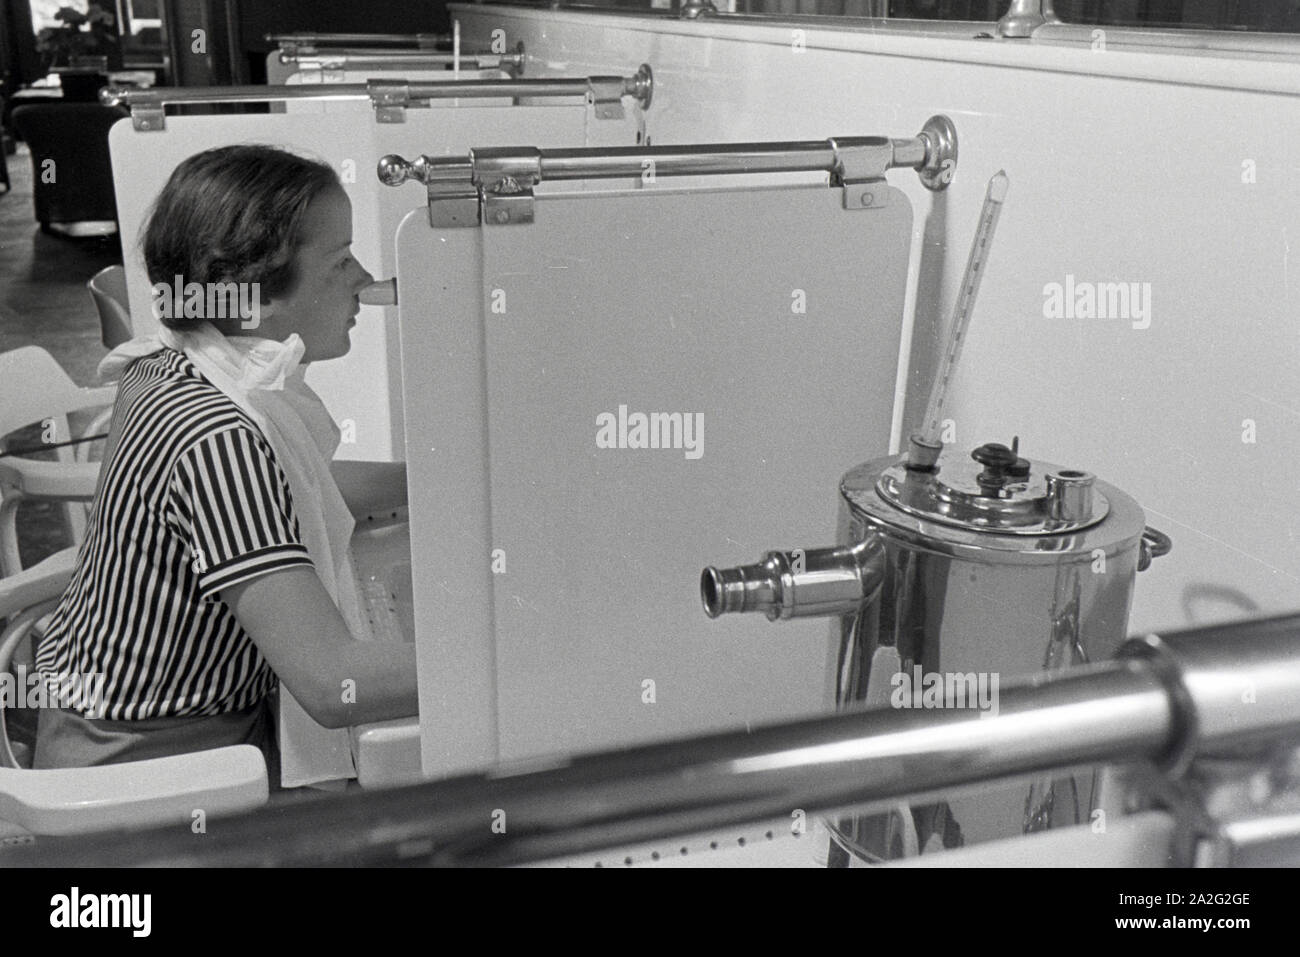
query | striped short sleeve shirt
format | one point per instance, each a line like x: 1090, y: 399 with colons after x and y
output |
x: 191, y: 501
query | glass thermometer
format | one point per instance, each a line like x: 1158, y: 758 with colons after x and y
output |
x: 994, y: 197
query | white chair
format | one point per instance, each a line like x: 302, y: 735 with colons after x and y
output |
x: 108, y: 290
x: 34, y: 388
x: 135, y: 794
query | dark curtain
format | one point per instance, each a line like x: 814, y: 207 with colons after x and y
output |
x: 19, y: 63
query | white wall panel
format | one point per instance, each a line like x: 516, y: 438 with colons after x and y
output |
x: 1126, y: 165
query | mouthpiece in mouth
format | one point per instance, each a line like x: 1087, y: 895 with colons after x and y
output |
x: 383, y: 292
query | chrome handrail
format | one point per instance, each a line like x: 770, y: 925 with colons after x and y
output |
x: 932, y: 152
x: 147, y: 104
x: 419, y: 40
x: 1165, y: 700
x: 402, y: 59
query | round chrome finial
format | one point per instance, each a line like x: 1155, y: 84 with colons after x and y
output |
x: 642, y: 86
x: 394, y: 170
x: 940, y: 153
x: 694, y: 9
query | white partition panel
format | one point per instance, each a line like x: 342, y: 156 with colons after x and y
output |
x: 557, y: 581
x: 363, y: 389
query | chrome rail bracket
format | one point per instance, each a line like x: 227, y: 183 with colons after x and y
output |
x: 860, y: 166
x: 605, y: 94
x: 455, y: 201
x: 506, y: 178
x: 508, y: 202
x: 147, y: 114
x: 389, y: 99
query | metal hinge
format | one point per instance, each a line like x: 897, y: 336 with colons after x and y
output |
x: 507, y: 177
x: 606, y: 97
x: 860, y: 172
x: 147, y: 115
x: 453, y: 196
x: 390, y: 100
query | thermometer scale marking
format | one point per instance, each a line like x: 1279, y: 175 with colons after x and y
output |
x: 994, y: 197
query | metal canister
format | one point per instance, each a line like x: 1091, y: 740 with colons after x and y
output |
x: 954, y: 570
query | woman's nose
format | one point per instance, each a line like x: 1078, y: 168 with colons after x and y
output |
x: 363, y: 277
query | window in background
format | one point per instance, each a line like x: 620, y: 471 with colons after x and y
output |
x: 949, y: 9
x: 43, y: 11
x: 1265, y: 16
x: 139, y: 15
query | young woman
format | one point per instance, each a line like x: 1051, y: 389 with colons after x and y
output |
x: 215, y: 551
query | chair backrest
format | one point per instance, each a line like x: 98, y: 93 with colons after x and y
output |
x: 108, y: 290
x: 33, y: 387
x: 72, y: 171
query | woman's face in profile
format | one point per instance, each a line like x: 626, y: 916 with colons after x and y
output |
x: 323, y: 305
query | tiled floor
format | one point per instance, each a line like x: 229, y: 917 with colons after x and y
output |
x: 44, y: 302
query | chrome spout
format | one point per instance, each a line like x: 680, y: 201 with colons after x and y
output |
x: 797, y: 584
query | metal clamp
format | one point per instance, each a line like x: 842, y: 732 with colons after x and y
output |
x: 147, y: 113
x: 390, y: 98
x: 606, y: 97
x: 860, y: 170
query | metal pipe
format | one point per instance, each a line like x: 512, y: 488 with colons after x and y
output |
x: 699, y: 160
x: 1150, y: 705
x: 933, y: 153
x: 133, y: 97
x: 566, y: 806
x: 413, y: 90
x: 420, y: 40
x: 406, y: 59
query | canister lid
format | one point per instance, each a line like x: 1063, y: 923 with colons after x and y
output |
x: 993, y: 489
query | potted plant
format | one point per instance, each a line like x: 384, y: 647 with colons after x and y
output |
x: 81, y: 50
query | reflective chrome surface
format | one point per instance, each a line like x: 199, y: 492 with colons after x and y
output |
x: 933, y: 153
x: 988, y: 571
x: 1045, y: 499
x: 1024, y: 17
x: 982, y: 564
x: 798, y: 584
x: 1129, y: 710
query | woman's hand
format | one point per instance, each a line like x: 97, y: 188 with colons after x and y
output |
x: 338, y: 680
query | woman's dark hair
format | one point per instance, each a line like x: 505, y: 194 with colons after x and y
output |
x: 232, y: 214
